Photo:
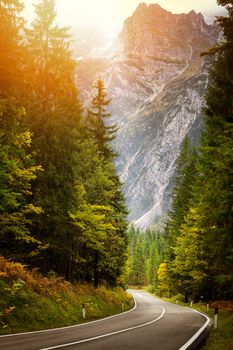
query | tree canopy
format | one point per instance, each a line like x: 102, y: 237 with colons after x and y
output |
x: 61, y: 205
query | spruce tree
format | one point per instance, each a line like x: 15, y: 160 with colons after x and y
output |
x: 217, y: 164
x: 98, y: 118
x: 17, y: 167
x: 109, y: 264
x: 54, y: 112
x: 203, y: 250
x: 11, y: 45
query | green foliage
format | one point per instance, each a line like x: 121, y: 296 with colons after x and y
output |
x: 17, y: 171
x: 51, y: 66
x: 146, y: 253
x: 189, y: 252
x: 98, y: 116
x: 221, y: 338
x: 31, y: 302
x: 61, y: 205
x: 138, y: 266
x: 11, y: 29
x: 163, y: 279
x: 201, y: 253
x: 182, y: 193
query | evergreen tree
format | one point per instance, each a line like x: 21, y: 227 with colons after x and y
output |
x: 138, y: 274
x: 11, y: 30
x: 189, y: 266
x: 51, y: 71
x: 182, y: 193
x: 17, y: 167
x: 54, y: 112
x: 146, y: 253
x: 108, y: 265
x: 204, y: 244
x: 216, y: 164
x: 72, y: 204
x: 98, y: 118
x: 153, y: 264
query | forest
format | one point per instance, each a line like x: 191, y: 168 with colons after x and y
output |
x: 61, y: 206
x: 192, y: 256
x: 199, y: 228
x: 62, y: 210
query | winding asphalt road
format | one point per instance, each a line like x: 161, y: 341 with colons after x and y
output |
x: 152, y: 324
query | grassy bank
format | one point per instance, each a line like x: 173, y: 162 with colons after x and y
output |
x: 30, y: 302
x: 222, y: 337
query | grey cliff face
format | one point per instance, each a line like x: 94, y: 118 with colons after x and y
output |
x: 157, y: 81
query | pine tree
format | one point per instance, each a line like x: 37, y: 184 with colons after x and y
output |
x: 17, y: 167
x: 189, y: 265
x: 203, y: 250
x: 11, y: 30
x: 153, y: 264
x: 51, y: 73
x: 98, y: 118
x: 138, y: 274
x: 186, y: 173
x: 55, y: 113
x: 217, y: 163
x: 182, y: 194
x: 108, y: 266
x: 72, y: 205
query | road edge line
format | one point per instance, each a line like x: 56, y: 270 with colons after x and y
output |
x: 198, y: 333
x: 72, y: 326
x: 109, y: 334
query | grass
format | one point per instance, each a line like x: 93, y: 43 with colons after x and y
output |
x: 31, y: 302
x: 222, y: 337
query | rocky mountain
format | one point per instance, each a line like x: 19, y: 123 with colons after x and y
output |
x: 157, y: 81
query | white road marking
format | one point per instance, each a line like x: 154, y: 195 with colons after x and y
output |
x: 196, y: 335
x: 184, y: 347
x: 73, y: 326
x: 112, y: 333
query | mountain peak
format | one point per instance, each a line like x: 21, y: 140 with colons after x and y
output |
x: 192, y: 12
x: 153, y: 9
x: 141, y: 6
x: 152, y: 28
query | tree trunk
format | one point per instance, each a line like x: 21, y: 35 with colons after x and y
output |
x: 96, y: 271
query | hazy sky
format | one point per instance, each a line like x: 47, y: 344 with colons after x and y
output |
x: 109, y: 15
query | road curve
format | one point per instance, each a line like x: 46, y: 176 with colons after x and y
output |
x: 152, y: 324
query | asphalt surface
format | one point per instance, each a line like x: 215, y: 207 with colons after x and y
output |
x: 152, y: 325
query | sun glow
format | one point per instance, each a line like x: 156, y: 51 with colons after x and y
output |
x: 109, y: 15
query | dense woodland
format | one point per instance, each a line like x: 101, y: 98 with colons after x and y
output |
x: 194, y: 259
x: 147, y: 252
x: 61, y: 206
x: 200, y: 226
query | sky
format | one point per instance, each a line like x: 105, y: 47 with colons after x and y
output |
x: 109, y: 15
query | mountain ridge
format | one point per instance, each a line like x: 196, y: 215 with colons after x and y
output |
x: 157, y: 82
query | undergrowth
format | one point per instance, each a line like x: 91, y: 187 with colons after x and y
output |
x: 29, y: 301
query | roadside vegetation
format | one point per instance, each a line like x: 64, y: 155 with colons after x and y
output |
x: 222, y: 337
x: 31, y: 302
